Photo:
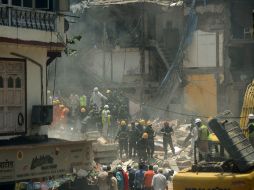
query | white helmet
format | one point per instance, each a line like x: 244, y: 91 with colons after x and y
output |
x: 95, y: 89
x: 251, y: 116
x: 197, y: 120
x: 106, y: 107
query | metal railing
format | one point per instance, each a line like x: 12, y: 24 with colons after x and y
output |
x: 27, y: 18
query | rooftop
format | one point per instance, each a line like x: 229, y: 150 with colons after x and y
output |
x: 86, y: 4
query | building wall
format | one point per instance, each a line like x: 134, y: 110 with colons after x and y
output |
x: 123, y: 62
x: 33, y: 72
x: 202, y: 51
x: 200, y: 95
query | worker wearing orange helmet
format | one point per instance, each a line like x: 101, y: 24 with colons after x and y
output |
x: 122, y: 137
x: 142, y: 147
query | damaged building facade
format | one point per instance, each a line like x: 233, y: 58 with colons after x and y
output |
x: 171, y: 55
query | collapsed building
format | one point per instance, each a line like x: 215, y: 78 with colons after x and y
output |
x: 169, y: 57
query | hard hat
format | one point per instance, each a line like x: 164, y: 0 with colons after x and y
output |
x: 123, y: 123
x: 104, y: 168
x: 148, y: 123
x: 57, y: 101
x: 119, y: 167
x: 61, y: 106
x: 106, y: 107
x: 197, y: 120
x: 54, y: 102
x: 95, y: 89
x: 82, y: 110
x: 108, y: 91
x: 145, y: 136
x: 251, y: 116
x: 142, y: 122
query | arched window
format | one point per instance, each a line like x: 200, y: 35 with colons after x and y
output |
x: 1, y: 82
x: 10, y: 82
x: 18, y: 83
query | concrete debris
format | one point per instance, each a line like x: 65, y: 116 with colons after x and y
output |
x: 101, y: 140
x: 180, y: 141
x: 82, y: 173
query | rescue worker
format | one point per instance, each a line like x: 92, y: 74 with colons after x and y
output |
x: 82, y: 101
x: 105, y: 119
x: 140, y: 128
x: 167, y: 131
x: 96, y: 98
x: 102, y: 179
x: 122, y: 137
x: 139, y: 178
x: 119, y: 178
x: 131, y: 174
x: 122, y: 178
x: 251, y: 128
x: 194, y: 135
x: 112, y: 181
x: 151, y: 134
x: 133, y: 138
x: 202, y: 142
x: 142, y: 147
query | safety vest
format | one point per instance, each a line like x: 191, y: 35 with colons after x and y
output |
x: 105, y: 117
x: 204, y: 133
x: 82, y: 101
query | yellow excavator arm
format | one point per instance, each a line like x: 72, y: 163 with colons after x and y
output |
x: 248, y: 107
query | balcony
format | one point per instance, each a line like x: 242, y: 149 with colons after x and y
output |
x: 27, y: 18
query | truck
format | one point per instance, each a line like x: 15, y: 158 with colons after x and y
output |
x: 236, y: 172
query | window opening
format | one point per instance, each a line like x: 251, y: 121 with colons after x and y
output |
x: 28, y: 3
x: 18, y: 83
x: 4, y: 1
x: 39, y: 4
x: 1, y: 82
x: 16, y: 2
x: 10, y: 82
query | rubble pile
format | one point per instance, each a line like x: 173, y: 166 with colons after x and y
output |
x: 183, y: 158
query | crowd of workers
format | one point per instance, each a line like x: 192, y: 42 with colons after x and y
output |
x: 137, y: 139
x: 110, y: 115
x: 97, y: 110
x: 139, y: 177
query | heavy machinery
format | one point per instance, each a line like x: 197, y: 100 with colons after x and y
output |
x: 248, y: 107
x: 235, y: 173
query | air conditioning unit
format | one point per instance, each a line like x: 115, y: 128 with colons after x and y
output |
x: 42, y: 115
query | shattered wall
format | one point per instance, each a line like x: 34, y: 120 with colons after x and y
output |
x: 206, y: 58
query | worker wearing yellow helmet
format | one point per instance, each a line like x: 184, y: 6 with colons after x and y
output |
x: 83, y: 110
x: 151, y: 134
x: 122, y: 137
x: 142, y: 122
x: 123, y: 123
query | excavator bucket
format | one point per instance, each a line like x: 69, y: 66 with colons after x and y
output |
x: 247, y: 108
